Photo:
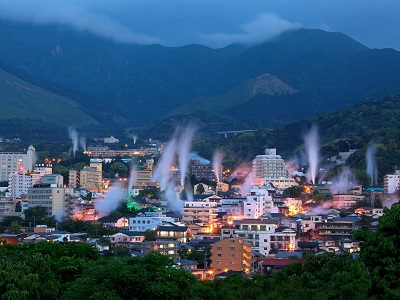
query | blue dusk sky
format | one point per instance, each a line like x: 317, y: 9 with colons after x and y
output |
x: 215, y: 23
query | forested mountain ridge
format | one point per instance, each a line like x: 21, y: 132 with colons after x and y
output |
x: 142, y: 84
x: 353, y: 128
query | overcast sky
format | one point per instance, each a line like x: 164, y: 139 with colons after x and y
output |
x: 214, y: 23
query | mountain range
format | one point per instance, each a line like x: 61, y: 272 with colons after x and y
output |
x: 75, y: 78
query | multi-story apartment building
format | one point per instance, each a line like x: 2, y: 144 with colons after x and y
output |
x: 203, y: 211
x: 16, y: 161
x: 265, y: 237
x: 341, y: 201
x: 271, y: 167
x: 19, y: 183
x: 142, y: 177
x: 105, y: 152
x: 89, y: 178
x: 202, y: 170
x: 258, y: 202
x: 172, y: 232
x: 148, y: 221
x: 231, y: 254
x: 169, y: 248
x: 57, y: 200
x: 257, y: 233
x: 391, y: 182
x: 283, y: 239
x: 7, y: 206
x: 232, y: 206
x: 336, y: 228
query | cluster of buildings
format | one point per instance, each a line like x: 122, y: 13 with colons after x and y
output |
x: 257, y: 230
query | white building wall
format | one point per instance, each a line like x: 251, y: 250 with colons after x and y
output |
x: 392, y: 182
x: 16, y: 161
x: 150, y: 221
x: 19, y: 183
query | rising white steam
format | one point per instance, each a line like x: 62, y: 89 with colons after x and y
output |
x: 311, y: 142
x: 372, y: 168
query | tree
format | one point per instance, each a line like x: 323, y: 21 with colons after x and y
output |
x: 293, y: 191
x: 150, y: 235
x: 380, y: 252
x: 28, y: 278
x: 200, y: 189
x: 15, y: 227
x: 119, y: 168
x: 7, y: 220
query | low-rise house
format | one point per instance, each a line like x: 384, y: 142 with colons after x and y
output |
x: 127, y: 238
x: 305, y: 246
x: 342, y: 201
x: 336, y: 227
x: 11, y: 238
x: 172, y: 232
x: 43, y: 228
x: 148, y: 221
x: 188, y: 265
x: 114, y: 221
x: 272, y: 265
x: 228, y: 231
x: 51, y: 236
x: 169, y: 248
x: 101, y: 247
x: 349, y: 245
x: 35, y: 238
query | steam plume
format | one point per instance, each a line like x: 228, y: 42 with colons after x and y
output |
x: 312, y: 149
x: 217, y: 162
x: 184, y: 148
x: 82, y: 143
x: 343, y: 182
x: 111, y: 201
x: 74, y: 137
x: 132, y: 177
x: 372, y: 169
x: 162, y: 172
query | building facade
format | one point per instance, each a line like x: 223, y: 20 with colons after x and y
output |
x: 271, y: 167
x: 19, y: 183
x: 58, y: 201
x: 204, y: 211
x: 89, y: 178
x: 231, y: 254
x: 16, y: 161
x: 391, y: 183
x: 148, y: 221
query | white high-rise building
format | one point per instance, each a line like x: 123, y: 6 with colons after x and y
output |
x: 391, y: 182
x: 19, y: 184
x: 258, y: 202
x: 271, y: 167
x: 16, y: 161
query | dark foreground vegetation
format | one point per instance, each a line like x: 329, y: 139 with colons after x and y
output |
x: 77, y: 271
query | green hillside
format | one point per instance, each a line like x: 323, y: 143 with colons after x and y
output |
x: 20, y: 99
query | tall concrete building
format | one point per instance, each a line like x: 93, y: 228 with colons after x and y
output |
x: 391, y: 182
x: 50, y: 194
x: 271, y: 167
x: 258, y: 203
x: 231, y: 254
x: 16, y: 161
x: 89, y: 178
x: 19, y: 183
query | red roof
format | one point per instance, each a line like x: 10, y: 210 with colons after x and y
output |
x: 279, y: 262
